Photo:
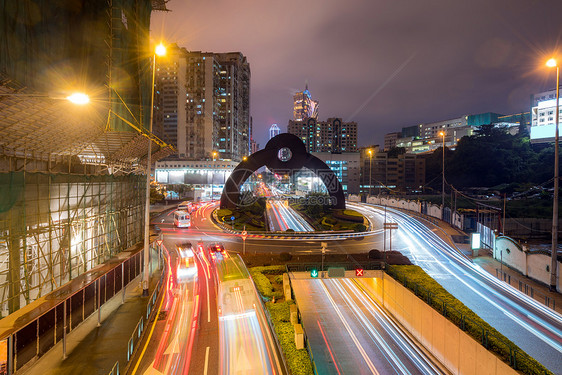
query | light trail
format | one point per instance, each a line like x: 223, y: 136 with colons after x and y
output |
x: 508, y: 310
x: 360, y: 348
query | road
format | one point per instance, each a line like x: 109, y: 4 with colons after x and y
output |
x: 533, y: 327
x: 280, y: 217
x: 350, y: 334
x: 196, y: 333
x: 530, y: 325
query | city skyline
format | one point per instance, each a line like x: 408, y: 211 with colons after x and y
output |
x: 365, y: 61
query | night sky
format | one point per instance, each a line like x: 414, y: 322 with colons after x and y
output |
x: 385, y: 64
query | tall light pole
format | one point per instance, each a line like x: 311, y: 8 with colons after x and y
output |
x: 160, y: 50
x: 554, y: 251
x: 213, y: 177
x: 370, y: 170
x: 442, y: 134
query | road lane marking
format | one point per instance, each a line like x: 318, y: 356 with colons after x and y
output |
x: 206, y: 361
x: 358, y: 345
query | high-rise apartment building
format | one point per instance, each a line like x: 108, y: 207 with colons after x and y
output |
x: 202, y: 103
x: 303, y: 106
x: 234, y: 113
x: 274, y: 131
x: 331, y: 135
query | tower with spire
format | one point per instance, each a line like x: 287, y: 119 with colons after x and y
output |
x: 303, y: 105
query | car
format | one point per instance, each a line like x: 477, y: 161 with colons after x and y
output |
x: 185, y: 249
x: 216, y: 247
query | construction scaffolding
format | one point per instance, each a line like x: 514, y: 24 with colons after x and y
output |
x: 72, y: 178
x: 56, y: 227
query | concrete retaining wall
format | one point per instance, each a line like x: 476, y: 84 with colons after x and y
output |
x: 455, y: 349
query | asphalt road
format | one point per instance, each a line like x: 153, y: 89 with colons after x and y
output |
x: 350, y: 334
x: 536, y: 329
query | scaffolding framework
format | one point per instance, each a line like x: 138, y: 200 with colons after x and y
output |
x: 56, y: 227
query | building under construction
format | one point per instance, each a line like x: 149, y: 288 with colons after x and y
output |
x: 71, y: 177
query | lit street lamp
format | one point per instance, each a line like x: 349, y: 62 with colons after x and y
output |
x: 370, y: 170
x: 213, y: 177
x: 554, y: 251
x: 442, y: 134
x: 78, y: 98
x: 160, y: 50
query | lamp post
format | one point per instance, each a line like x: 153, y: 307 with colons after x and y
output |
x: 213, y: 177
x: 554, y: 251
x: 160, y: 50
x: 442, y: 134
x: 370, y: 170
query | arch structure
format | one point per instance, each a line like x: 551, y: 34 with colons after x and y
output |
x: 284, y: 153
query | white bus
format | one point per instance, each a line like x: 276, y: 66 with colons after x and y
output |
x: 182, y: 219
x: 184, y: 206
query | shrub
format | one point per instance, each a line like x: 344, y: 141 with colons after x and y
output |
x: 298, y: 361
x: 375, y: 254
x: 285, y: 257
x: 262, y: 283
x: 359, y: 228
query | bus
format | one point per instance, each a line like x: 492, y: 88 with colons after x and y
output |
x: 182, y: 219
x: 184, y: 206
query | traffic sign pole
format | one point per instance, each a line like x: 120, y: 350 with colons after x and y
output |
x: 244, y: 234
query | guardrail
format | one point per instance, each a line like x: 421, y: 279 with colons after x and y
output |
x: 306, y: 267
x: 138, y: 332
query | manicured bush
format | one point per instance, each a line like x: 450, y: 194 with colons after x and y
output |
x: 424, y: 286
x: 298, y: 361
x: 359, y: 228
x: 262, y: 283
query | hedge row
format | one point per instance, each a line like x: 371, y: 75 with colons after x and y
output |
x: 415, y: 279
x: 297, y: 360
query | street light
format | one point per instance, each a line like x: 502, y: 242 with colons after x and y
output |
x: 78, y: 98
x: 442, y: 134
x: 554, y: 251
x: 160, y: 50
x: 213, y: 177
x: 370, y: 170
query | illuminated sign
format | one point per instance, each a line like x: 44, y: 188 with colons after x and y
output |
x: 475, y: 241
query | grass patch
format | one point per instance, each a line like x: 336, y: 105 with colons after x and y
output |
x: 423, y: 285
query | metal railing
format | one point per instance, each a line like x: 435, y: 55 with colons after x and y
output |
x: 137, y: 335
x: 39, y: 335
x: 349, y: 266
x: 114, y: 369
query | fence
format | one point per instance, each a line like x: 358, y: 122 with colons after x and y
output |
x: 137, y: 335
x: 42, y: 333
